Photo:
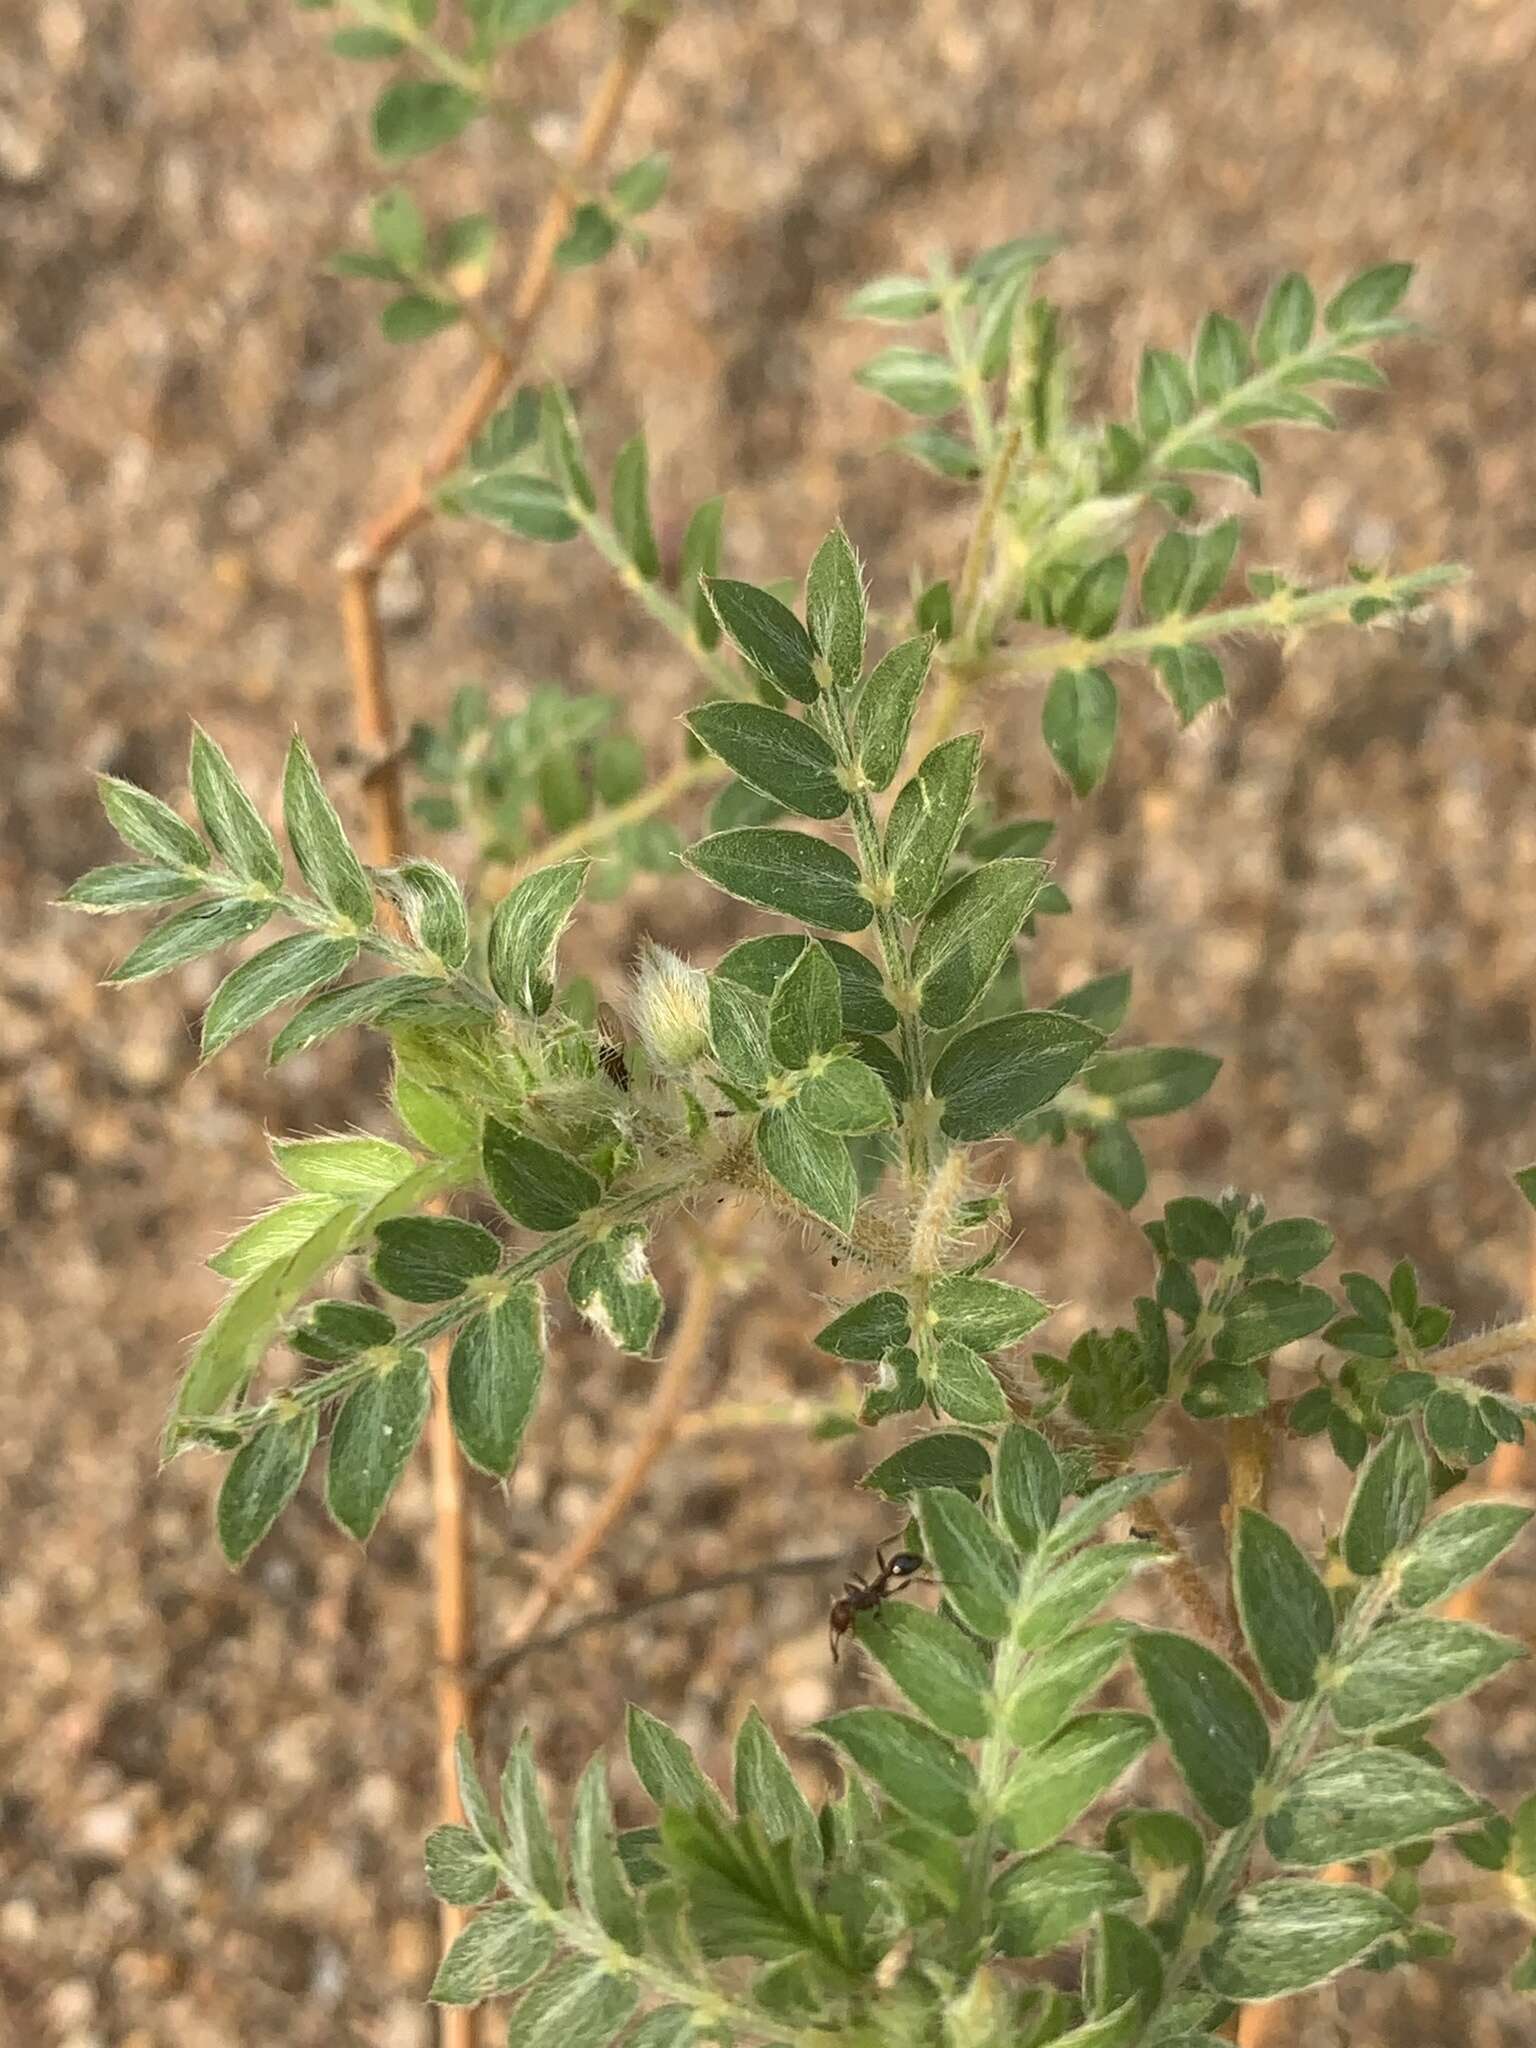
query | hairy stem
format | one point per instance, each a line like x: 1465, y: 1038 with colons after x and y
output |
x: 663, y: 608
x: 1492, y: 1347
x: 835, y: 723
x: 1279, y: 614
x: 944, y: 704
x: 1189, y: 1585
x: 592, y: 833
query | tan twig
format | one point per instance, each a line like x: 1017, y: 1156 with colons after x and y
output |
x: 359, y: 567
x: 361, y: 563
x: 496, y: 1669
x: 668, y: 1399
x: 1508, y: 1343
x: 454, y: 1599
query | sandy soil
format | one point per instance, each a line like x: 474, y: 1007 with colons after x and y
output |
x: 211, y: 1788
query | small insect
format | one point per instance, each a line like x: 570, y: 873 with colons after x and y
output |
x: 610, y: 1046
x: 863, y: 1596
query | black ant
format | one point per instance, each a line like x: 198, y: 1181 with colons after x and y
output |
x: 861, y: 1596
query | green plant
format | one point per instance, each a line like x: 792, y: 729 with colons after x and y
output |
x: 798, y: 1065
x: 862, y: 1075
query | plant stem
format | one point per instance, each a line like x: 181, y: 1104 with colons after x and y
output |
x: 955, y: 669
x: 606, y: 825
x: 898, y: 966
x: 361, y: 563
x: 664, y: 609
x: 971, y: 386
x: 1493, y: 1347
x: 1184, y: 1575
x: 1278, y: 614
x: 971, y: 593
x: 359, y: 568
x: 994, y: 1761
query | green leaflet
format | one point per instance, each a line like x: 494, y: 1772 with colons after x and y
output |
x: 994, y: 1075
x: 916, y: 1768
x: 811, y: 1166
x: 372, y: 1438
x: 499, y: 1951
x: 596, y: 1870
x: 238, y: 831
x: 805, y: 1010
x: 1078, y: 724
x: 432, y: 1258
x: 1053, y: 1785
x: 1412, y: 1667
x: 1455, y: 1547
x: 785, y: 871
x: 129, y: 886
x: 845, y: 1097
x: 780, y: 756
x: 149, y: 826
x: 665, y: 1765
x: 988, y: 1315
x: 282, y: 973
x: 1355, y: 1802
x: 1057, y: 1680
x: 611, y: 1282
x: 1210, y: 1718
x: 320, y: 846
x: 1388, y: 1502
x: 766, y: 1787
x: 543, y: 1189
x: 415, y: 115
x: 525, y: 932
x: 978, y: 1573
x: 190, y: 933
x: 885, y: 708
x: 494, y: 1374
x: 968, y: 933
x: 262, y: 1478
x: 767, y: 635
x: 632, y: 506
x: 1028, y: 1487
x: 835, y: 610
x: 459, y: 1871
x: 1284, y: 1606
x: 940, y: 1670
x: 926, y: 819
x: 1042, y: 1900
x: 1289, y: 1934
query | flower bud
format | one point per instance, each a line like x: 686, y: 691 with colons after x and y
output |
x: 670, y: 1007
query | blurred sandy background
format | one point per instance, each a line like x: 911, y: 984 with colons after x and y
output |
x: 211, y: 1788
